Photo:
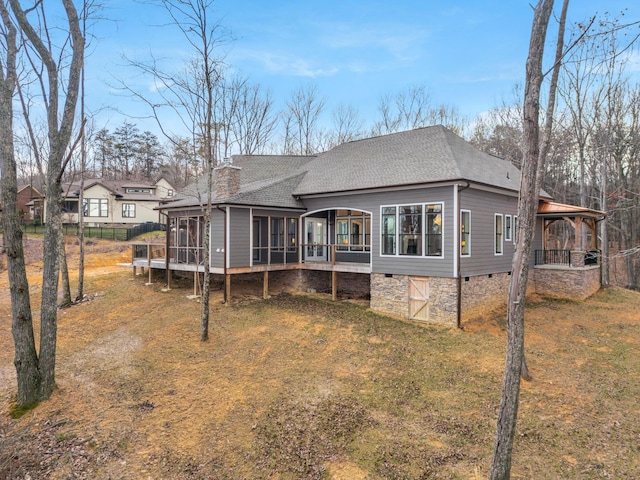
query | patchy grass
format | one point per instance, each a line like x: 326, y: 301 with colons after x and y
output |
x: 301, y: 387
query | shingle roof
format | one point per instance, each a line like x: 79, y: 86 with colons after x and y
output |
x: 420, y: 156
x: 423, y: 155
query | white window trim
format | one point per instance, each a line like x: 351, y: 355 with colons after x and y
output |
x: 423, y: 234
x: 465, y: 255
x: 508, y: 235
x: 495, y: 234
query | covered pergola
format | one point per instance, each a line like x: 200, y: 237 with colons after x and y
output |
x: 583, y: 248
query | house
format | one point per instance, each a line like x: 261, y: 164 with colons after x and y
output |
x: 30, y: 204
x: 420, y: 221
x: 109, y: 202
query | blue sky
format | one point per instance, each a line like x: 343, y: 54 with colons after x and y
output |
x: 469, y: 54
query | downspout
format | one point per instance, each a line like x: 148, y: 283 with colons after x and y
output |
x: 224, y: 252
x: 459, y: 257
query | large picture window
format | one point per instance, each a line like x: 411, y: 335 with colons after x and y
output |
x: 412, y: 230
x: 465, y: 233
x: 95, y: 207
x: 410, y: 235
x: 352, y: 230
x: 128, y: 210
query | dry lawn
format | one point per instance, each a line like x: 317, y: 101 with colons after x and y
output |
x: 300, y: 387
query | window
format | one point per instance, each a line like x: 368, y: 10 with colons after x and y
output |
x: 498, y: 234
x: 410, y: 235
x: 515, y: 228
x: 138, y: 190
x: 170, y: 192
x: 352, y: 230
x: 412, y: 230
x: 388, y: 231
x: 95, y: 207
x: 507, y: 228
x: 70, y: 206
x: 434, y: 230
x: 465, y: 233
x: 128, y: 210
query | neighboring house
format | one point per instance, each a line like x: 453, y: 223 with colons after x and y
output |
x: 421, y: 221
x: 115, y: 202
x: 30, y: 204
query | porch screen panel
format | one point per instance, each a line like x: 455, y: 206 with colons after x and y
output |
x: 292, y: 235
x: 277, y: 234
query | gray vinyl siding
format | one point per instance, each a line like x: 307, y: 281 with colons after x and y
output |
x: 217, y: 238
x: 371, y: 202
x: 483, y: 207
x: 240, y: 233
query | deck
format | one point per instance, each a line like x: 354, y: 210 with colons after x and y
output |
x: 153, y: 256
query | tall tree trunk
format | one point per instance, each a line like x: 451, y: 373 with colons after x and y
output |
x: 527, y: 206
x: 26, y: 358
x: 66, y: 300
x: 59, y: 130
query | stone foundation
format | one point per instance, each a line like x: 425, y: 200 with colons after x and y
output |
x: 484, y: 293
x: 443, y: 301
x: 390, y: 295
x: 566, y: 282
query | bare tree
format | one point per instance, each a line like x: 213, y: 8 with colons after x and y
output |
x: 405, y: 110
x: 195, y: 95
x: 301, y: 121
x: 527, y: 206
x: 57, y: 77
x: 347, y: 124
x: 254, y: 121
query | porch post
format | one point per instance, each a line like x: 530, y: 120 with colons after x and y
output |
x: 334, y: 285
x: 227, y: 288
x: 578, y: 244
x: 265, y: 285
x: 166, y: 252
x: 149, y: 262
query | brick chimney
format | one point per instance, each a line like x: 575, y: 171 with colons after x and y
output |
x: 227, y: 181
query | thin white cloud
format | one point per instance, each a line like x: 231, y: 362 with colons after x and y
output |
x: 288, y: 64
x: 397, y: 40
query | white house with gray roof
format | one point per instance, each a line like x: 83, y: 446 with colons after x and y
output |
x: 114, y: 202
x: 421, y: 222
